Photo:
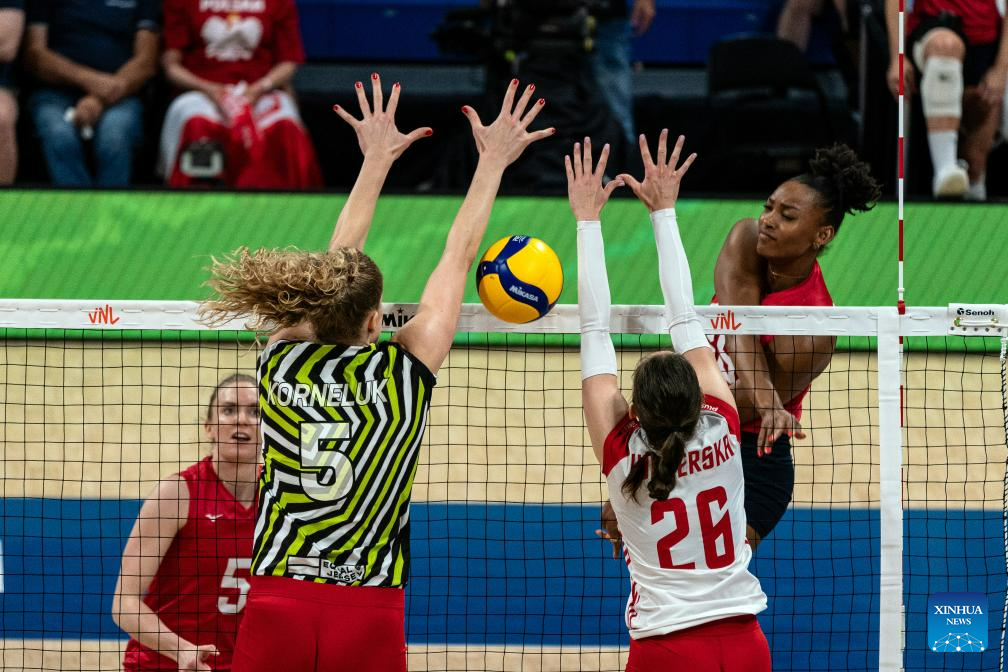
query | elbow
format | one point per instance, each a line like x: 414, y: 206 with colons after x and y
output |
x: 150, y: 68
x: 29, y: 58
x: 122, y: 608
x: 117, y: 610
x: 150, y: 72
x: 8, y: 50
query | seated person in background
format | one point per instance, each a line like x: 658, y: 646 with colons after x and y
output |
x: 795, y: 21
x: 236, y: 122
x: 88, y: 60
x: 960, y: 49
x: 11, y: 27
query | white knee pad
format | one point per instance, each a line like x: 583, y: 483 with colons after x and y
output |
x: 942, y: 87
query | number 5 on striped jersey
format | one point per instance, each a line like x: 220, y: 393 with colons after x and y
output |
x: 326, y: 472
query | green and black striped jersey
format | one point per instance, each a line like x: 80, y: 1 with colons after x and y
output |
x: 341, y: 433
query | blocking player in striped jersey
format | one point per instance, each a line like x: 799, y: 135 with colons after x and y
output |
x: 671, y: 456
x: 184, y: 576
x: 343, y: 415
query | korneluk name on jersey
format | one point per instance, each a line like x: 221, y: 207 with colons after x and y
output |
x: 328, y: 394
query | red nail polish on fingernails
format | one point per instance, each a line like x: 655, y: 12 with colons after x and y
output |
x: 396, y: 85
x: 531, y: 87
x: 429, y: 133
x: 374, y: 75
x: 542, y: 101
x: 465, y: 109
x: 335, y: 108
x: 552, y: 131
x: 513, y: 82
x: 359, y: 85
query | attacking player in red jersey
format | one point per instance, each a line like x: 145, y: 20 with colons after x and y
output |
x: 184, y: 574
x: 773, y: 261
x: 671, y: 456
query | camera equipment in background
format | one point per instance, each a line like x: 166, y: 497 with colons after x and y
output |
x: 508, y: 28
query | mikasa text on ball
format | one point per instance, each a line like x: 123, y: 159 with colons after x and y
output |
x: 519, y: 279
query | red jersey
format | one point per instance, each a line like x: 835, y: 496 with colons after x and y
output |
x: 811, y: 291
x: 228, y: 41
x: 980, y: 18
x: 200, y: 588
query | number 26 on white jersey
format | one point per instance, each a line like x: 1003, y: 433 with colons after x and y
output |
x: 715, y: 530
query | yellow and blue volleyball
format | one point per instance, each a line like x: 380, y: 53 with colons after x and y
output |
x: 519, y: 279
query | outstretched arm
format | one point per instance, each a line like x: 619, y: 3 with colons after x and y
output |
x: 429, y: 334
x: 381, y: 143
x: 659, y: 191
x: 604, y: 404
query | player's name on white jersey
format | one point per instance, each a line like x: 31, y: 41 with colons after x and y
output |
x: 328, y: 394
x: 709, y: 457
x: 233, y: 6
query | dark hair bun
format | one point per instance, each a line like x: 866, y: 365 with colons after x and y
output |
x: 851, y: 178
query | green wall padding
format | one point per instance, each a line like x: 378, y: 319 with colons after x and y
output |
x: 156, y: 245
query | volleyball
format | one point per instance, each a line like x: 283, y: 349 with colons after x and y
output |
x: 519, y: 279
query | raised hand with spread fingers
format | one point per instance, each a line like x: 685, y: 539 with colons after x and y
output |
x: 585, y: 192
x: 502, y: 141
x: 376, y: 130
x: 381, y: 143
x: 659, y: 189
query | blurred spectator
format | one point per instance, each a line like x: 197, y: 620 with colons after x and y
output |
x: 960, y: 49
x: 795, y: 20
x: 90, y: 59
x: 237, y: 122
x: 611, y: 61
x: 11, y: 27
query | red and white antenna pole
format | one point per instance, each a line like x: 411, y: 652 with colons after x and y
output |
x: 900, y: 303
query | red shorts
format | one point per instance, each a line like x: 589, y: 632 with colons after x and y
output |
x: 299, y: 626
x: 735, y: 644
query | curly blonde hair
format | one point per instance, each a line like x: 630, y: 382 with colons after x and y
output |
x: 333, y: 291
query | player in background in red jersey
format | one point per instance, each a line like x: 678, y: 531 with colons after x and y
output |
x: 773, y: 261
x: 960, y: 50
x: 184, y: 574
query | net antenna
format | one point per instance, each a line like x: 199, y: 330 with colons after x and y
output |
x: 1004, y: 513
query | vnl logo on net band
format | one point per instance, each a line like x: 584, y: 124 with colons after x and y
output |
x: 957, y: 622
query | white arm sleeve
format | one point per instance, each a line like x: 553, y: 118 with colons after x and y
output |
x: 597, y: 353
x: 677, y: 286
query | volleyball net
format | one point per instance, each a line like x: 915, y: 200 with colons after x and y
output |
x: 101, y: 400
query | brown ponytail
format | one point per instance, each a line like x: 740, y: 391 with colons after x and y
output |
x: 666, y: 398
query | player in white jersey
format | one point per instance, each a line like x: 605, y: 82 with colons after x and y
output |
x: 670, y: 456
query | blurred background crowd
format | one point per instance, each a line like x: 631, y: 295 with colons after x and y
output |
x: 238, y: 93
